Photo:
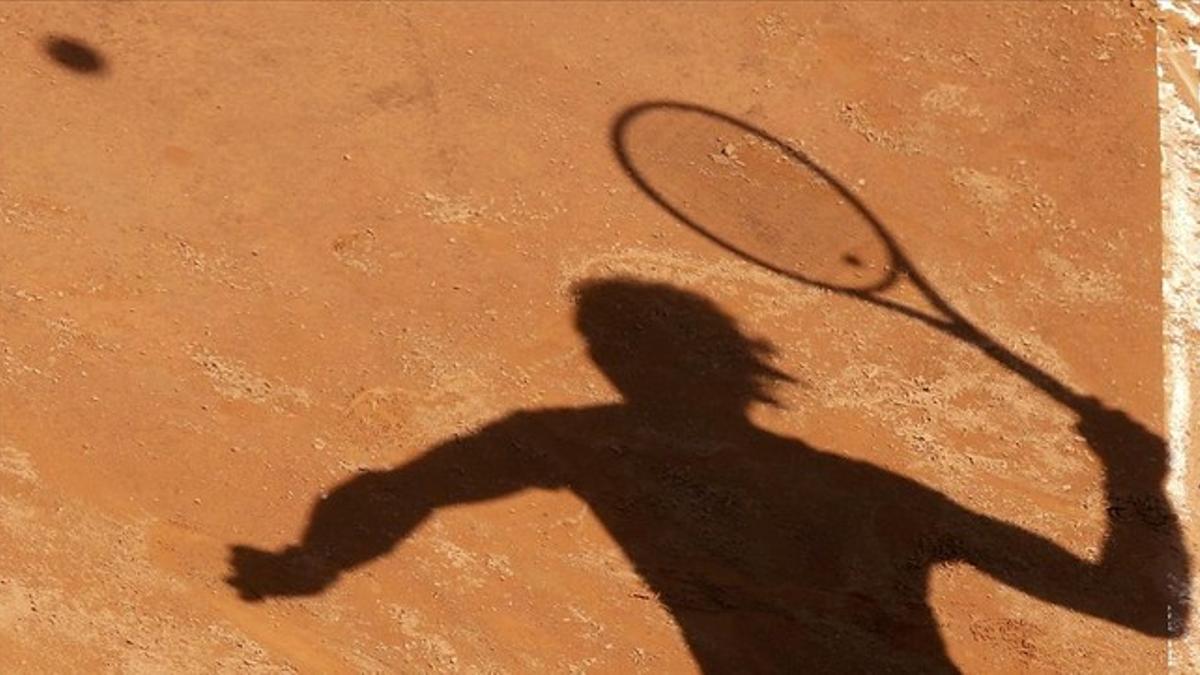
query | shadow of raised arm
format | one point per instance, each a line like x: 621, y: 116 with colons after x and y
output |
x: 1141, y: 572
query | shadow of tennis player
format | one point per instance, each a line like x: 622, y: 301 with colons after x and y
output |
x: 772, y: 555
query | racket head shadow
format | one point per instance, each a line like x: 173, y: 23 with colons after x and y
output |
x: 755, y: 195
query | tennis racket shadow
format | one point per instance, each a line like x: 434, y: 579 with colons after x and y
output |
x: 720, y: 176
x: 840, y: 246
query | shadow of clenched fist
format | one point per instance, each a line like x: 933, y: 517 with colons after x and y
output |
x: 258, y: 574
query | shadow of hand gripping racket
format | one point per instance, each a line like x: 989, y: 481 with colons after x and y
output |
x: 841, y: 246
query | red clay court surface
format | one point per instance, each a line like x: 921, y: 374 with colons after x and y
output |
x: 387, y: 338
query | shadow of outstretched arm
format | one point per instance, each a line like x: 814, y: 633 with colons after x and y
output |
x: 368, y: 515
x: 1140, y: 578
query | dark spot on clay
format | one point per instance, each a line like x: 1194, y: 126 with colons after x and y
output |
x: 74, y: 55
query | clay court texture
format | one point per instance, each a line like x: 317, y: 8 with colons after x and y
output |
x: 597, y: 338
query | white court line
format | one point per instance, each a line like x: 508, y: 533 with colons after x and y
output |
x: 1179, y: 135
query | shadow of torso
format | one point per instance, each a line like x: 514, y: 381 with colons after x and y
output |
x: 771, y: 555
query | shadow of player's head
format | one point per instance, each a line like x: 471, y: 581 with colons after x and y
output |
x: 666, y: 349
